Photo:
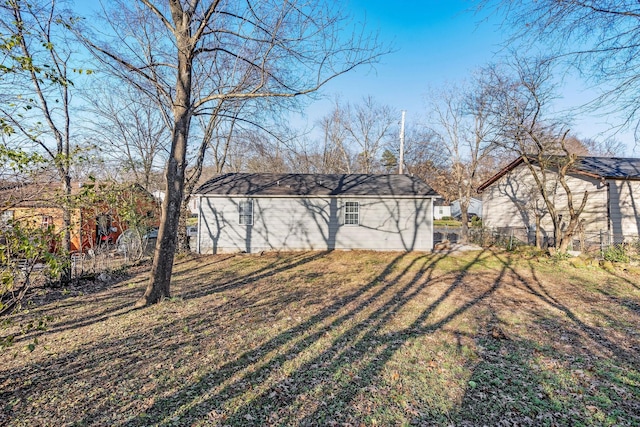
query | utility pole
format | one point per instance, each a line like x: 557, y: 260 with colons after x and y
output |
x: 401, y: 162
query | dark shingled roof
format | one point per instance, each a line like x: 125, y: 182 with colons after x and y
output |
x: 597, y: 167
x: 292, y: 184
x: 610, y: 167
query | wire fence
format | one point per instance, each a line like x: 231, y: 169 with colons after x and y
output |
x: 598, y: 243
x: 20, y: 276
x: 91, y: 263
x: 110, y: 257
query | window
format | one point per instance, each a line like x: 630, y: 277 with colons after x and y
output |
x: 245, y: 212
x: 6, y: 217
x: 47, y: 221
x: 352, y: 213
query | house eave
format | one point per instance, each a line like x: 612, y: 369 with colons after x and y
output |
x: 517, y: 162
x: 500, y: 174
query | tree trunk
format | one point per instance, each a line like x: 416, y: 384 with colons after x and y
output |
x: 465, y: 200
x: 160, y: 279
x: 65, y: 275
x: 565, y: 242
x: 464, y: 217
x: 567, y: 236
x: 159, y: 282
x: 183, y: 239
x: 538, y: 232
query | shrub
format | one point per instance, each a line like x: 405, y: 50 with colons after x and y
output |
x: 615, y: 253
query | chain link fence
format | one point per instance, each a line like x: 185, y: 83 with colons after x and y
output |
x: 507, y: 237
x: 598, y: 243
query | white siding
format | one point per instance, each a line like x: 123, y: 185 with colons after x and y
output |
x: 514, y: 199
x: 440, y: 212
x: 316, y: 223
x: 625, y: 207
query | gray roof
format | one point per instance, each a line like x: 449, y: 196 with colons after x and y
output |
x: 292, y: 184
x: 597, y: 167
x: 610, y: 167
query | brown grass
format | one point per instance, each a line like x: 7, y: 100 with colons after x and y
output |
x: 339, y: 338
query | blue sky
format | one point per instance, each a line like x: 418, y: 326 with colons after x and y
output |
x: 435, y: 42
x: 438, y: 42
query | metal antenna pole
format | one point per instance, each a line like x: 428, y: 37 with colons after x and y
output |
x: 401, y: 162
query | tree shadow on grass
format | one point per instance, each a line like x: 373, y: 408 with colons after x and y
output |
x: 113, y: 297
x: 117, y: 297
x: 572, y: 373
x: 208, y: 285
x: 293, y: 338
x: 597, y: 337
x: 504, y: 388
x: 177, y: 368
x: 134, y: 358
x: 277, y: 390
x: 634, y: 281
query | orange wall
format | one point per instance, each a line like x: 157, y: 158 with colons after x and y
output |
x: 83, y: 221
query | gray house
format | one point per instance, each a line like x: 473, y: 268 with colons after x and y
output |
x: 254, y: 212
x: 612, y: 187
x: 475, y: 208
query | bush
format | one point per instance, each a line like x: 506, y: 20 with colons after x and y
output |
x: 615, y: 253
x: 22, y: 248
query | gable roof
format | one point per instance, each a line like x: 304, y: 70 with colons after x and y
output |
x: 292, y: 184
x: 47, y: 194
x: 44, y: 194
x: 595, y: 167
x: 610, y: 167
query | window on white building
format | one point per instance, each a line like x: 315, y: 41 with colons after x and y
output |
x: 6, y: 216
x: 352, y: 213
x: 245, y: 212
x: 47, y: 221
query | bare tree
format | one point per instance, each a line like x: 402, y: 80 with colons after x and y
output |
x: 355, y: 134
x: 600, y: 37
x: 196, y: 55
x: 520, y: 106
x: 609, y: 147
x: 461, y: 122
x: 369, y: 127
x: 424, y: 157
x: 36, y: 87
x: 337, y: 156
x: 130, y: 132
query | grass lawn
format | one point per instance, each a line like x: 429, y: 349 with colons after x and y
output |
x: 446, y: 222
x: 340, y: 338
